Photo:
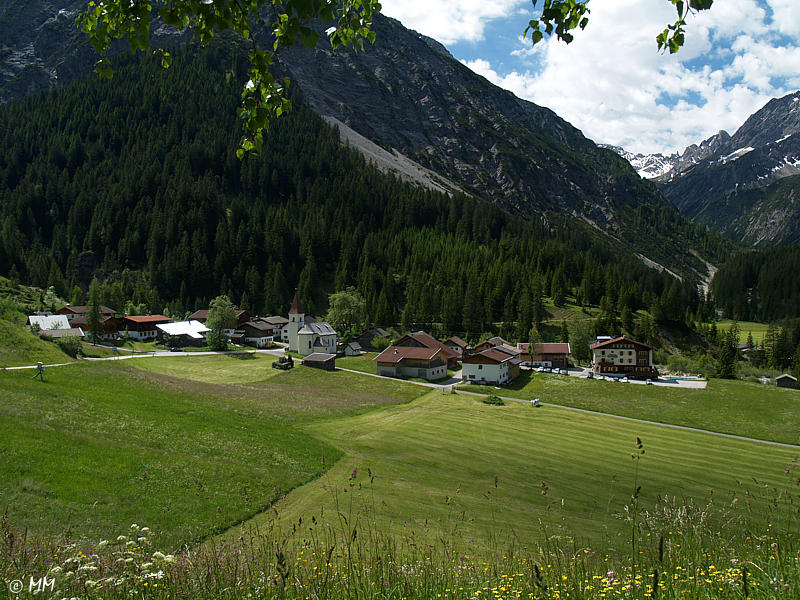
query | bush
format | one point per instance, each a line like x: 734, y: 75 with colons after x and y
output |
x: 494, y: 401
x: 380, y: 343
x: 71, y: 345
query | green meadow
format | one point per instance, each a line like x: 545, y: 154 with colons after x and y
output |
x: 98, y: 446
x: 19, y: 347
x: 745, y: 327
x: 735, y: 407
x: 449, y: 466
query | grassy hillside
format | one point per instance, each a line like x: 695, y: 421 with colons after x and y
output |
x: 99, y: 446
x: 736, y: 407
x: 432, y: 467
x: 18, y: 346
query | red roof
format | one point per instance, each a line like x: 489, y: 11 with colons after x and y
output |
x: 429, y: 342
x: 551, y: 348
x: 80, y: 310
x: 621, y: 338
x: 148, y: 319
x: 394, y: 354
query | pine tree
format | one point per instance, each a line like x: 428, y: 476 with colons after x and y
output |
x: 93, y: 317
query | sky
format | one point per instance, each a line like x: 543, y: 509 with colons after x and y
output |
x: 611, y: 82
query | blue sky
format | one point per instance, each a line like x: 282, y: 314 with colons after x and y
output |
x: 610, y: 81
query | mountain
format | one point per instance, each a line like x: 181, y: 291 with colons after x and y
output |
x: 413, y: 109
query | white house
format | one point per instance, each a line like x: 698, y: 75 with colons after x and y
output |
x: 189, y: 331
x: 489, y: 366
x: 50, y: 322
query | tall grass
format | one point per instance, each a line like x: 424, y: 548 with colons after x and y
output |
x: 676, y: 552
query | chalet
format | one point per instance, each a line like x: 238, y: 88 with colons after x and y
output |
x: 786, y: 381
x: 143, y: 327
x: 457, y: 345
x: 72, y: 312
x: 189, y: 333
x: 492, y: 343
x: 111, y: 325
x: 280, y: 329
x: 257, y: 333
x: 412, y: 361
x: 320, y: 360
x: 307, y: 335
x: 365, y: 339
x: 420, y: 339
x: 550, y: 354
x: 493, y: 365
x: 242, y: 316
x: 623, y: 356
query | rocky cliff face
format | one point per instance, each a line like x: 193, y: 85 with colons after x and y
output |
x: 737, y: 188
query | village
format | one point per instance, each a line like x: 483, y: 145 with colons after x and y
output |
x: 411, y: 355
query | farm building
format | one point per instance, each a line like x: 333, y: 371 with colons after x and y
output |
x: 366, y: 337
x: 786, y: 381
x: 412, y: 361
x: 494, y: 365
x: 352, y: 349
x: 457, y: 345
x: 71, y: 312
x: 143, y: 327
x: 623, y: 356
x: 320, y: 360
x: 48, y: 322
x: 420, y: 339
x: 554, y: 355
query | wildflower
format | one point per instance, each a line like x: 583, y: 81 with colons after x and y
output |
x: 158, y: 555
x: 121, y: 538
x: 102, y: 544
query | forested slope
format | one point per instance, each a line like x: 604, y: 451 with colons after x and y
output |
x: 135, y: 180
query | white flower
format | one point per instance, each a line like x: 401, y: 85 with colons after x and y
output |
x: 55, y: 570
x: 121, y: 538
x: 147, y: 565
x: 102, y: 544
x: 158, y: 555
x: 141, y: 540
x: 145, y: 530
x: 169, y: 558
x: 249, y: 85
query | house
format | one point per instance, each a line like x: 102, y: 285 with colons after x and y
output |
x: 143, y: 327
x: 190, y: 333
x: 366, y: 337
x: 111, y: 325
x: 257, y: 333
x: 420, y: 339
x: 786, y: 381
x: 492, y: 343
x: 307, y: 335
x: 550, y: 354
x: 320, y: 360
x: 457, y: 345
x: 280, y: 329
x: 412, y: 361
x: 493, y: 365
x: 46, y: 323
x: 72, y: 312
x: 623, y: 356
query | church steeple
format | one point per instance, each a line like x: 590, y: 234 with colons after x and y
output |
x: 296, y: 308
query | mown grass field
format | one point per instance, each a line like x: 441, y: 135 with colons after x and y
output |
x: 737, y: 407
x: 101, y: 445
x: 432, y: 467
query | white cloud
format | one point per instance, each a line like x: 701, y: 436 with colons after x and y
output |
x: 786, y: 17
x: 449, y: 21
x: 613, y: 84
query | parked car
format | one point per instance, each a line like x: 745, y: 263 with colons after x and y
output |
x: 590, y: 375
x: 540, y: 369
x: 563, y: 372
x: 625, y: 379
x: 648, y: 382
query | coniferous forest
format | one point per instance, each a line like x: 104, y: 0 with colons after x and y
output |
x: 135, y: 181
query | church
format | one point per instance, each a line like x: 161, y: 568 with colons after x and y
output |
x: 306, y: 334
